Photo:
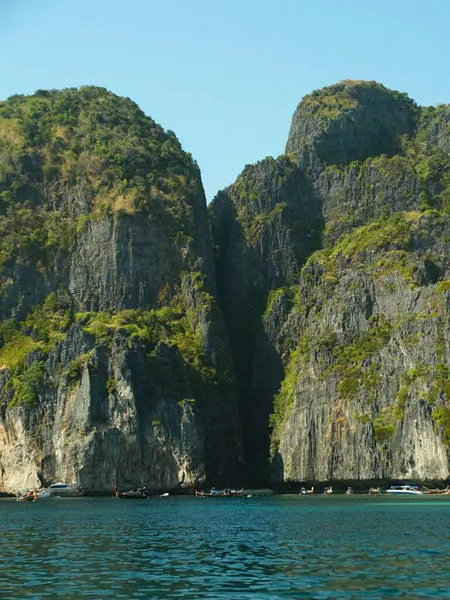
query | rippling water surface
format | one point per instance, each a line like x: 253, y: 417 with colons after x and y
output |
x: 235, y: 548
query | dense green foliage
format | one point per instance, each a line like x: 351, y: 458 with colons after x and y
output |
x: 56, y: 142
x: 169, y: 325
x: 93, y: 137
x: 43, y: 328
x: 353, y: 360
x: 383, y: 233
x: 442, y: 417
x: 329, y: 102
x: 384, y: 424
x: 33, y: 237
x: 48, y: 324
x: 25, y: 384
x: 284, y: 400
x: 66, y: 158
x: 391, y: 234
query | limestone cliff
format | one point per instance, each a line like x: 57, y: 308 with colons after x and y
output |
x: 115, y: 366
x: 365, y: 394
x: 348, y: 121
x: 264, y: 226
x: 330, y: 266
x: 348, y: 350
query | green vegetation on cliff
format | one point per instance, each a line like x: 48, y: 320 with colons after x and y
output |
x: 34, y: 237
x: 35, y: 337
x: 382, y: 247
x: 331, y: 101
x: 43, y: 327
x: 284, y: 400
x: 168, y: 325
x: 48, y: 324
x: 68, y: 158
x: 348, y: 121
x: 332, y: 268
x: 92, y: 138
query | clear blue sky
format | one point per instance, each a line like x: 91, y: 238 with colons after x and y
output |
x: 225, y: 75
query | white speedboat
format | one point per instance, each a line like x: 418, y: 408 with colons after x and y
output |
x: 65, y: 489
x: 404, y: 490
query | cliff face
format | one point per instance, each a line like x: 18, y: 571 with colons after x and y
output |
x: 115, y: 366
x: 350, y: 346
x: 366, y: 389
x: 264, y: 226
x: 330, y: 266
x: 351, y: 120
x: 435, y: 126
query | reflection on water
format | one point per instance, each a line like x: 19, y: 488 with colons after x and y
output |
x: 237, y: 548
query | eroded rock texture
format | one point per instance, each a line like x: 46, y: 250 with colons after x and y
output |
x: 306, y: 341
x: 348, y: 349
x: 115, y: 365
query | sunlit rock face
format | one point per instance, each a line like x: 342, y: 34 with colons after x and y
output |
x: 345, y: 358
x: 297, y: 332
x: 115, y: 365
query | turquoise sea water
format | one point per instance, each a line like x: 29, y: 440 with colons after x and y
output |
x: 236, y: 548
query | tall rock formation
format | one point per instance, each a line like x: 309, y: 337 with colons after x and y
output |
x: 114, y: 361
x: 264, y: 227
x: 358, y: 366
x: 348, y: 121
x: 330, y: 266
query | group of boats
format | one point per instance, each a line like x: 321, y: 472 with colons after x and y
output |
x: 74, y: 489
x: 141, y: 493
x: 136, y: 494
x: 225, y: 493
x: 394, y: 490
x: 56, y: 490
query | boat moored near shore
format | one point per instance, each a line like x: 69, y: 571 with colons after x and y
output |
x: 438, y: 491
x: 137, y: 494
x: 66, y: 489
x: 225, y: 493
x: 404, y: 490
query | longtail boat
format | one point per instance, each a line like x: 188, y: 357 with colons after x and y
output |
x: 138, y: 494
x: 26, y: 498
